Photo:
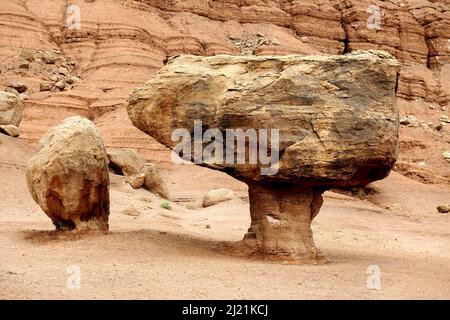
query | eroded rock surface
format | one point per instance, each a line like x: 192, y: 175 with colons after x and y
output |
x: 138, y: 173
x: 68, y: 177
x: 336, y: 117
x: 10, y: 109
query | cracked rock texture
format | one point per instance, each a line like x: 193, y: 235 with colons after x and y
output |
x: 68, y: 177
x: 337, y: 119
x: 11, y: 109
x: 336, y: 115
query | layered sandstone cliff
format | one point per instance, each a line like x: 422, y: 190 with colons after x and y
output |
x: 121, y: 44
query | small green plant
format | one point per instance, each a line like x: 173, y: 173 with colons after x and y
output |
x: 165, y: 205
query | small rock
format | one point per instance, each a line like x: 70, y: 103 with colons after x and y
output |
x: 131, y: 211
x: 443, y: 208
x: 63, y: 71
x: 136, y: 180
x: 216, y: 196
x: 53, y: 77
x: 446, y: 155
x: 45, y: 86
x: 10, y: 130
x: 60, y: 85
x: 48, y: 58
x: 125, y: 161
x: 18, y: 86
x: 27, y: 55
x: 435, y: 126
x: 24, y: 64
x: 154, y: 182
x: 405, y: 121
x: 410, y: 121
x: 445, y: 119
x: 394, y: 207
x: 72, y: 80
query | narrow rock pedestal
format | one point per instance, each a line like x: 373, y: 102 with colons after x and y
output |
x: 281, y: 219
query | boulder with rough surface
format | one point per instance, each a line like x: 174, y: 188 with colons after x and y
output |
x: 138, y: 173
x: 11, y: 109
x: 125, y: 161
x: 68, y: 177
x: 336, y: 118
x: 154, y: 182
x: 10, y: 130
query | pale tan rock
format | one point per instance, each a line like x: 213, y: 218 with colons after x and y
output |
x: 45, y: 86
x: 11, y: 109
x: 154, y: 182
x: 68, y: 177
x: 10, y: 130
x: 337, y: 119
x: 131, y: 211
x: 125, y: 161
x: 136, y: 181
x: 137, y: 172
x: 216, y: 196
x: 18, y: 86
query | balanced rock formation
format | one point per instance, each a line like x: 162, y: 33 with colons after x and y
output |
x: 68, y: 177
x: 301, y: 124
x: 10, y: 113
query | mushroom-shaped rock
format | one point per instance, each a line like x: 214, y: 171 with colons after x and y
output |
x: 291, y: 127
x: 68, y: 177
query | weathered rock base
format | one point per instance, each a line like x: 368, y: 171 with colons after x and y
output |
x: 94, y: 220
x: 281, y: 220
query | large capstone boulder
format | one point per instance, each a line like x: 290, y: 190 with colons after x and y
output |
x: 291, y: 127
x: 10, y: 109
x: 68, y: 177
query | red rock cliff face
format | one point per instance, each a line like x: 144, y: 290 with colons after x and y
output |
x: 121, y: 44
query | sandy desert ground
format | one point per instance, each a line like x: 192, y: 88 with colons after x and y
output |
x: 190, y: 252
